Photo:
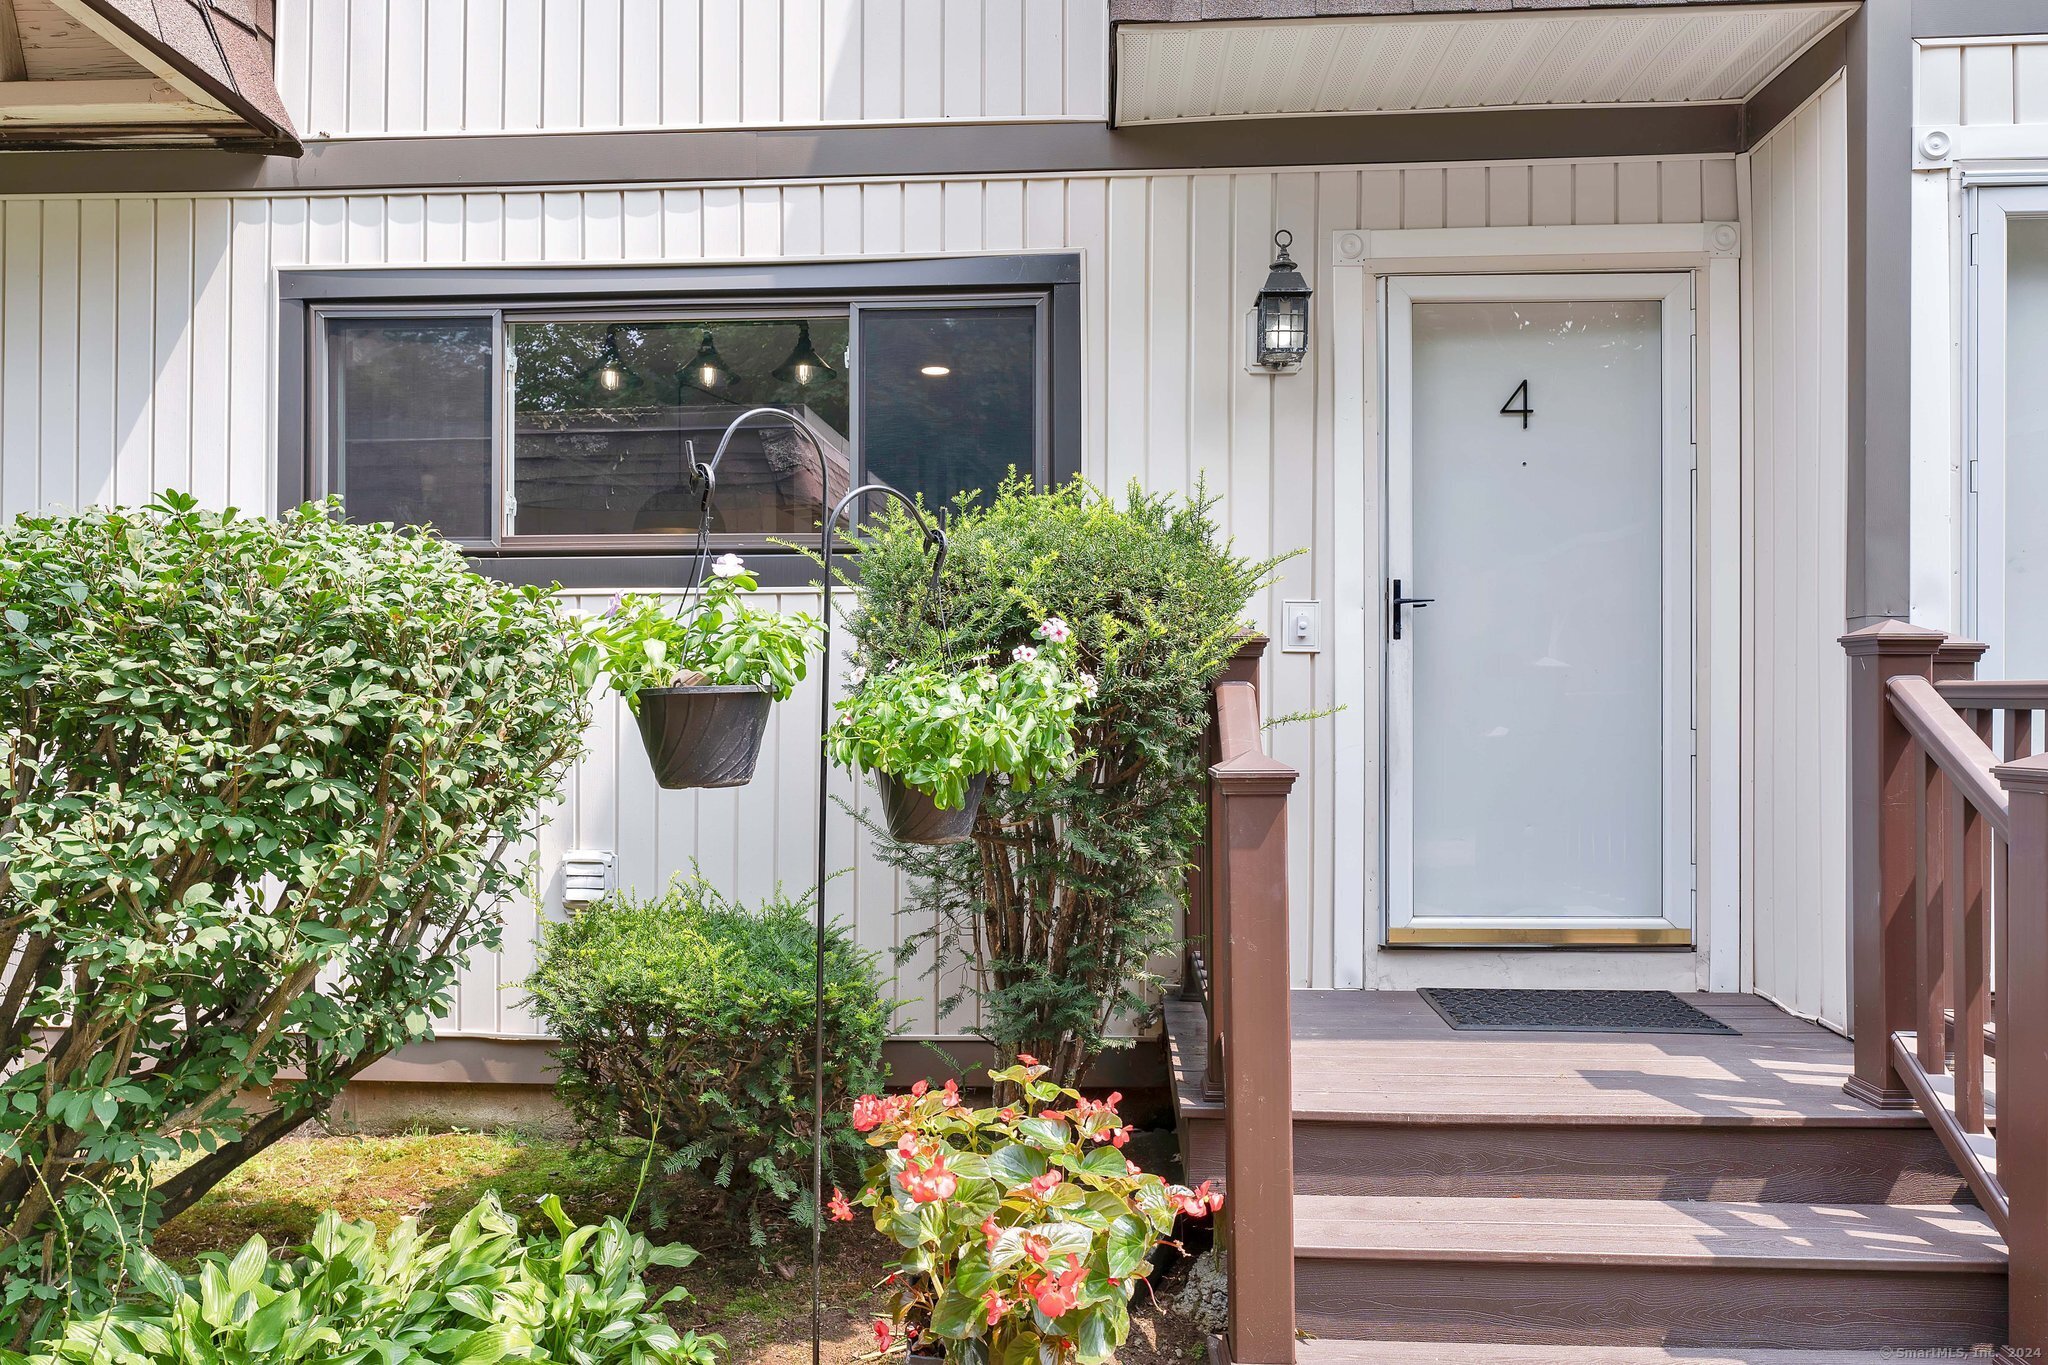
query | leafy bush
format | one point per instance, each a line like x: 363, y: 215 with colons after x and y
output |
x: 1024, y: 1229
x: 256, y: 783
x: 714, y: 638
x: 936, y: 727
x: 686, y: 1020
x: 483, y: 1295
x: 1071, y: 885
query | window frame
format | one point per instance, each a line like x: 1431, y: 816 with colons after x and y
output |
x: 1047, y: 281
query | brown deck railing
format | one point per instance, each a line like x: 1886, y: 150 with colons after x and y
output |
x: 1237, y: 966
x: 1948, y: 907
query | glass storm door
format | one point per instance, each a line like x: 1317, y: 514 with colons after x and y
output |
x: 2008, y: 570
x: 1538, y: 601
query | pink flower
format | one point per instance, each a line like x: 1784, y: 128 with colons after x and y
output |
x: 1119, y: 1136
x: 996, y: 1305
x: 1026, y: 1059
x: 883, y: 1336
x: 929, y: 1183
x: 869, y: 1113
x: 991, y: 1232
x: 1023, y: 654
x: 917, y: 1090
x: 1057, y: 1294
x: 842, y: 1212
x: 1036, y: 1247
x: 1043, y: 1185
x: 952, y: 1095
x: 1196, y: 1203
x: 1055, y: 631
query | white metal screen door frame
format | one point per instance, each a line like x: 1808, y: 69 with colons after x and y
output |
x: 1673, y: 292
x: 1985, y: 478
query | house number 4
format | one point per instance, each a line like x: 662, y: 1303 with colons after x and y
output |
x: 1520, y: 395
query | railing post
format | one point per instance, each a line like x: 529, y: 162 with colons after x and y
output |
x: 1211, y: 910
x: 2023, y: 1055
x: 1250, y: 865
x: 1882, y: 852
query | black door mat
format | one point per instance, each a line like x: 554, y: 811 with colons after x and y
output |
x: 1571, y: 1011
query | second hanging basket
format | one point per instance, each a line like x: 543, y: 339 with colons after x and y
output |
x: 914, y: 818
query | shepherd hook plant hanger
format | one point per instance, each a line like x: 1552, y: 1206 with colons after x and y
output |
x: 704, y: 478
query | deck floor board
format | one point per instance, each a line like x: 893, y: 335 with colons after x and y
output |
x: 1386, y: 1056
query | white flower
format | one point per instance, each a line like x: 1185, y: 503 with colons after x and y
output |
x: 857, y: 676
x: 1087, y: 681
x: 1055, y: 631
x: 728, y: 566
x: 1023, y: 654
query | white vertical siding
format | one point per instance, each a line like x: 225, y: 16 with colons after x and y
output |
x: 1980, y: 84
x: 361, y: 68
x: 1795, y: 513
x: 167, y: 322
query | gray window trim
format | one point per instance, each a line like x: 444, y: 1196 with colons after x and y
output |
x: 1054, y: 278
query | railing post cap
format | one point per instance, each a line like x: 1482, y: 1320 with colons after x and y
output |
x: 1251, y: 645
x: 1957, y: 650
x: 2030, y: 774
x: 1892, y: 637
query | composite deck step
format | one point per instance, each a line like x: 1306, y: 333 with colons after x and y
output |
x: 1327, y: 1352
x: 1650, y: 1273
x: 1390, y: 1101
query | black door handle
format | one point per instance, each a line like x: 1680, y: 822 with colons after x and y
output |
x: 1400, y: 602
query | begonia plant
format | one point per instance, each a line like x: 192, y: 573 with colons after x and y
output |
x: 1024, y: 1229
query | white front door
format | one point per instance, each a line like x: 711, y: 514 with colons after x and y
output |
x: 1539, y: 499
x: 2007, y: 579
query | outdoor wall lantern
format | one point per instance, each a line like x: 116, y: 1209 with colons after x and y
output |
x: 1277, y: 326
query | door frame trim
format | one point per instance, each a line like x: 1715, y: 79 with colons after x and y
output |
x: 1356, y: 259
x: 1672, y: 291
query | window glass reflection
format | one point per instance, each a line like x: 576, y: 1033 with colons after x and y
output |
x: 409, y: 411
x: 601, y: 410
x: 949, y: 397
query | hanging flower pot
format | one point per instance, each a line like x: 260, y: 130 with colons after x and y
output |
x: 703, y: 736
x: 702, y: 678
x: 915, y: 818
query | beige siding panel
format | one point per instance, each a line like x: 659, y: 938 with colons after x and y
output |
x: 1796, y: 536
x: 364, y: 68
x: 114, y: 314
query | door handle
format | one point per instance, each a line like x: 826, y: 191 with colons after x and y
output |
x: 1400, y: 602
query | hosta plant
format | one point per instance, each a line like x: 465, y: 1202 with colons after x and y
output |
x: 715, y: 638
x: 937, y: 727
x: 1024, y: 1229
x: 485, y: 1294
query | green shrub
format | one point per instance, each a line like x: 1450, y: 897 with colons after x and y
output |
x: 1070, y: 886
x: 256, y: 781
x: 485, y: 1294
x: 686, y: 1020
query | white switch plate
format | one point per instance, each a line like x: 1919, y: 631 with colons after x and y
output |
x: 1301, y: 628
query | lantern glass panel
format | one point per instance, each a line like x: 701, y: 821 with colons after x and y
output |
x: 1283, y: 328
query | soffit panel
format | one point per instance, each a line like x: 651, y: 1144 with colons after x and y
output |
x: 1383, y: 64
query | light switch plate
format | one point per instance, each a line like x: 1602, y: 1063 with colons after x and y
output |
x: 1301, y: 628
